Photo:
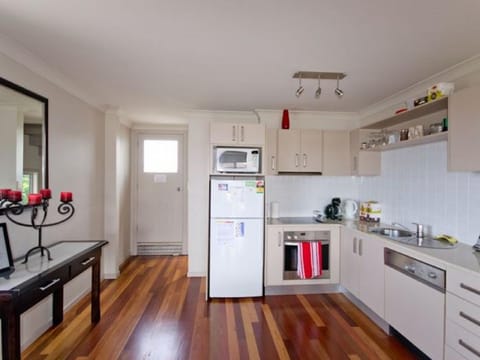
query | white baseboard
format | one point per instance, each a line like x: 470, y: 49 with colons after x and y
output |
x: 111, y: 276
x: 196, y: 274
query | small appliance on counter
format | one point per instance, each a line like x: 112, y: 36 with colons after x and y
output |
x: 477, y: 245
x: 370, y: 211
x: 349, y: 209
x: 332, y: 211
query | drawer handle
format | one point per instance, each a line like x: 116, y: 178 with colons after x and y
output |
x: 469, y: 347
x: 469, y: 318
x: 53, y: 282
x: 469, y: 288
x: 88, y: 261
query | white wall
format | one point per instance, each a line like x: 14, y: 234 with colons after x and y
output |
x: 117, y: 193
x: 123, y: 191
x: 76, y: 135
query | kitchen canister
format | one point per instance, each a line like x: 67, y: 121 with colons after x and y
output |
x: 370, y: 211
x: 274, y: 209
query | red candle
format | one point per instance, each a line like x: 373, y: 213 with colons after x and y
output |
x: 34, y: 199
x: 285, y: 120
x: 14, y: 196
x: 46, y: 193
x: 66, y: 196
x: 4, y: 193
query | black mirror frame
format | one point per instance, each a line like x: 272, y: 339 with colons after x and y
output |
x: 43, y: 100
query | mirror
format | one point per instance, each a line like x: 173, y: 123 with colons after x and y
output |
x: 23, y: 139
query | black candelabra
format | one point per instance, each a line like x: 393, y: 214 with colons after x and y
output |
x: 38, y: 217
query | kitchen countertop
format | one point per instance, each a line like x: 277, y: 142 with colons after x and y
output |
x: 463, y: 256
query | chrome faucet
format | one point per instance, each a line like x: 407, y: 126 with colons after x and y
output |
x: 419, y: 231
x: 400, y: 225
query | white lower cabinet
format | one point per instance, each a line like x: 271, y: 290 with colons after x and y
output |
x: 463, y: 314
x: 362, y: 269
x: 274, y: 256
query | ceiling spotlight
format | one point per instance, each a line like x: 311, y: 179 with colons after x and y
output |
x: 337, y: 90
x: 300, y: 88
x: 318, y: 92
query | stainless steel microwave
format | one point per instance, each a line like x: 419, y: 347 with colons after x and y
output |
x: 236, y: 160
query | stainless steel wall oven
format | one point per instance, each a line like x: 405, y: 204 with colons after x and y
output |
x: 291, y: 240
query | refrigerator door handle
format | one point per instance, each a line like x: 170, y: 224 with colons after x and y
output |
x: 279, y: 239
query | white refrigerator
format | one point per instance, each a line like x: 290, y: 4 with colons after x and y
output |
x: 236, y: 237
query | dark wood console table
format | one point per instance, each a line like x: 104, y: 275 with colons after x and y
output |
x: 39, y: 278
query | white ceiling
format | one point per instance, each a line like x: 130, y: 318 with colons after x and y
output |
x: 150, y: 56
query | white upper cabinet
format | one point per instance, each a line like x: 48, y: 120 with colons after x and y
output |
x: 336, y: 153
x: 464, y: 130
x: 363, y: 163
x: 237, y: 134
x: 271, y: 159
x: 300, y: 150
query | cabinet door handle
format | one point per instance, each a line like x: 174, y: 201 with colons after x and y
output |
x: 88, y: 261
x: 469, y: 347
x: 354, y: 245
x: 360, y: 247
x: 50, y: 284
x: 296, y: 160
x: 274, y: 165
x: 355, y: 163
x: 234, y: 133
x: 279, y: 239
x: 242, y: 133
x: 469, y: 318
x: 304, y: 160
x: 469, y: 288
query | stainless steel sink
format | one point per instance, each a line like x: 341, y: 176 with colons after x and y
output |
x: 410, y: 238
x: 392, y: 232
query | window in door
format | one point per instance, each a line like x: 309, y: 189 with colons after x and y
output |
x: 160, y: 156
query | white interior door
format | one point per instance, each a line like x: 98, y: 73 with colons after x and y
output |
x: 160, y: 227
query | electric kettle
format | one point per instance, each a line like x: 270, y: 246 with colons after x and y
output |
x: 349, y: 209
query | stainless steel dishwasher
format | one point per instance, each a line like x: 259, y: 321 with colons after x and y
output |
x: 415, y: 301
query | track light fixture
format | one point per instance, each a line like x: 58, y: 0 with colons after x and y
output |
x: 300, y: 89
x: 337, y: 89
x: 318, y: 76
x: 318, y: 92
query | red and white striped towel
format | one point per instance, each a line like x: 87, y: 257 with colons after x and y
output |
x: 309, y: 259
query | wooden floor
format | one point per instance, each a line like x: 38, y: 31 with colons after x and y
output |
x: 153, y: 311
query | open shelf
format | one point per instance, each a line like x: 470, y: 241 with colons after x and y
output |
x: 412, y: 142
x: 419, y: 111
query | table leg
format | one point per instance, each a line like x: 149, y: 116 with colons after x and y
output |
x: 11, y: 336
x: 95, y: 301
x: 58, y: 306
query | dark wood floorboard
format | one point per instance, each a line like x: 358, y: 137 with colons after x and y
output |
x: 153, y: 311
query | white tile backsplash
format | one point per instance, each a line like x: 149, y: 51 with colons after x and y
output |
x: 299, y: 195
x: 414, y: 186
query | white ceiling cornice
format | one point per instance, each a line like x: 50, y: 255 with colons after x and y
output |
x: 21, y: 55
